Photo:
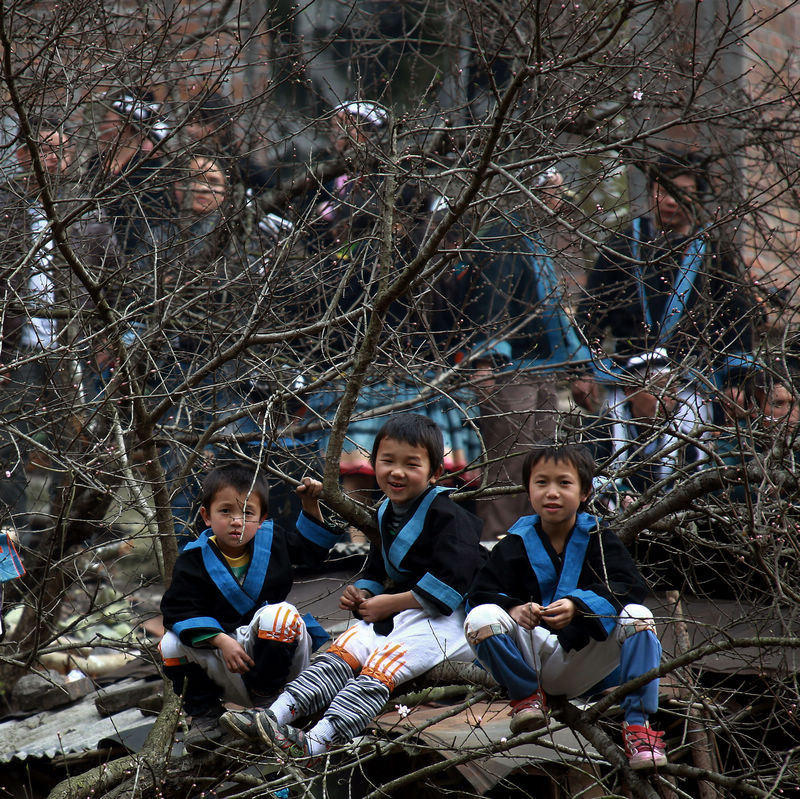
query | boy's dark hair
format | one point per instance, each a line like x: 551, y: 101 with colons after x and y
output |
x: 670, y: 165
x: 414, y: 429
x: 239, y: 476
x: 574, y: 454
x: 43, y: 122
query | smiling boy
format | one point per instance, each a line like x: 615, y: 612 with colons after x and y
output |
x: 555, y: 608
x: 231, y: 634
x: 408, y: 603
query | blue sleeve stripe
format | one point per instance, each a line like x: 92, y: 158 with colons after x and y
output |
x: 197, y: 623
x: 313, y: 531
x: 605, y: 611
x: 440, y: 591
x: 372, y: 586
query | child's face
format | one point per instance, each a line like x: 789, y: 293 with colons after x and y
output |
x: 555, y: 493
x: 234, y: 518
x: 403, y: 471
x: 779, y: 406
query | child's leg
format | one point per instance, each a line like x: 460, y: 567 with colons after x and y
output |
x: 279, y: 644
x: 315, y: 687
x: 639, y: 653
x: 416, y: 644
x: 188, y: 671
x: 632, y: 646
x: 500, y: 645
x: 349, y: 713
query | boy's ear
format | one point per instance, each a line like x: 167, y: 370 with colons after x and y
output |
x: 205, y: 515
x: 437, y: 474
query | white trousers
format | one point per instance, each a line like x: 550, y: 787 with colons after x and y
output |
x: 280, y: 622
x: 417, y: 642
x: 560, y: 672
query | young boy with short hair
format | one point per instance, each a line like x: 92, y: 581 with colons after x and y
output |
x: 409, y: 602
x: 556, y: 607
x: 231, y: 635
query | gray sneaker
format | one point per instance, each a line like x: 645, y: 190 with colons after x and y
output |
x: 242, y: 723
x: 204, y: 731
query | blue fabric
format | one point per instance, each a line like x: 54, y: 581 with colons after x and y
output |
x: 731, y: 363
x: 10, y: 565
x: 313, y: 531
x: 604, y: 611
x: 501, y: 657
x: 690, y: 266
x: 372, y: 586
x: 562, y: 337
x: 197, y: 623
x: 241, y: 597
x: 319, y: 635
x: 409, y: 533
x: 439, y: 590
x: 553, y: 587
x: 640, y: 653
x: 565, y: 346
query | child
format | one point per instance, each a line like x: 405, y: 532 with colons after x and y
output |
x: 645, y: 433
x: 230, y: 633
x: 554, y: 608
x: 409, y: 602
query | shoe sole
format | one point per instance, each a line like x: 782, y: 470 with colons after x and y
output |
x: 232, y: 725
x: 653, y: 762
x: 527, y: 722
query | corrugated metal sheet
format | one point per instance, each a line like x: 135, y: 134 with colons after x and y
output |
x: 77, y: 728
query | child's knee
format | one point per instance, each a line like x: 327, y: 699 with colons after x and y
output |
x: 388, y: 665
x: 280, y: 622
x: 484, y: 621
x: 636, y: 619
x: 171, y: 648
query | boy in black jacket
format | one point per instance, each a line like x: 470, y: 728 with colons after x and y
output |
x: 230, y: 633
x: 556, y: 606
x: 409, y: 604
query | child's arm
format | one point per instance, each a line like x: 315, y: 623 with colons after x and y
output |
x: 237, y: 661
x: 559, y: 614
x: 309, y: 492
x: 380, y: 607
x: 528, y: 615
x: 352, y: 598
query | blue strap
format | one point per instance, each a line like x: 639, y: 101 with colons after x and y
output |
x: 553, y: 586
x: 259, y: 563
x: 196, y: 623
x: 319, y: 635
x: 440, y: 590
x: 406, y: 537
x: 688, y: 270
x: 560, y: 331
x: 10, y: 565
x: 241, y: 597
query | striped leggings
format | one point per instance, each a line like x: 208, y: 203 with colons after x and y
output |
x: 416, y: 644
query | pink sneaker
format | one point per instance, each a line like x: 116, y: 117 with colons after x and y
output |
x: 644, y: 746
x: 529, y: 714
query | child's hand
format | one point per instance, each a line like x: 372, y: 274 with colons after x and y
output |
x: 527, y: 615
x: 352, y: 598
x: 559, y: 614
x: 377, y: 608
x: 237, y: 661
x: 310, y: 491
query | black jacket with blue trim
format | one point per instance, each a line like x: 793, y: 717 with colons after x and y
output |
x: 204, y: 596
x: 719, y: 312
x: 597, y: 573
x: 436, y: 553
